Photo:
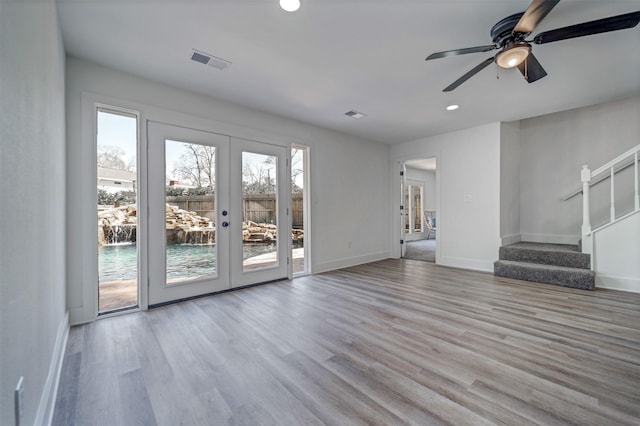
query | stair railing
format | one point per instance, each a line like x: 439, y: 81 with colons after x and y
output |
x: 607, y: 171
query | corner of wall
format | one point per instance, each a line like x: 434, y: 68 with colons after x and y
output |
x: 551, y: 238
x: 46, y: 407
x: 511, y: 239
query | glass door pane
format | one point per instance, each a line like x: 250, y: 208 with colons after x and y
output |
x: 298, y: 202
x: 407, y: 209
x: 417, y: 208
x: 190, y: 229
x: 117, y: 144
x: 259, y: 211
x: 188, y: 197
x: 260, y: 240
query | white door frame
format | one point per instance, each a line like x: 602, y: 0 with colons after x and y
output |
x: 397, y: 193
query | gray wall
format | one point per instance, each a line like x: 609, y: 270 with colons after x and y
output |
x: 32, y: 231
x: 554, y: 147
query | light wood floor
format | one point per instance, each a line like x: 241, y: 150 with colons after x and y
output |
x: 392, y: 342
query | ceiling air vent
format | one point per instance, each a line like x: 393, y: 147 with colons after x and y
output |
x: 207, y: 59
x: 355, y: 114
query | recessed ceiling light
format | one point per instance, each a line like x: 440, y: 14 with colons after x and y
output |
x: 290, y: 5
x: 355, y: 114
x: 453, y: 107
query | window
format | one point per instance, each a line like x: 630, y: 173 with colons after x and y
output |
x: 117, y: 143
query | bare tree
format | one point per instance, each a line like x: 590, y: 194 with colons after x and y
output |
x: 197, y: 165
x: 259, y: 178
x: 297, y: 168
x: 112, y: 157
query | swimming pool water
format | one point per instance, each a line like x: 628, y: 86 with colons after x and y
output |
x: 119, y: 262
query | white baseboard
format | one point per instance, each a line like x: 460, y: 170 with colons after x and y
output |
x: 350, y: 261
x: 618, y: 283
x: 511, y: 239
x: 464, y: 263
x: 550, y: 238
x: 44, y: 416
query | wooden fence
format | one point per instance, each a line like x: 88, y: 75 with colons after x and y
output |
x: 259, y: 208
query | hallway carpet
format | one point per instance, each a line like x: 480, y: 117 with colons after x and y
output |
x: 424, y: 250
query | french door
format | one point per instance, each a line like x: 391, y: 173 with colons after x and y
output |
x: 217, y: 213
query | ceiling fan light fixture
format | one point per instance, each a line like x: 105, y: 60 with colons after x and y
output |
x: 290, y: 5
x: 513, y: 55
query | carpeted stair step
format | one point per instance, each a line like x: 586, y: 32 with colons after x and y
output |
x: 551, y: 274
x: 546, y: 254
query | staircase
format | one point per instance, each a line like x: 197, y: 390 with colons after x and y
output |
x: 559, y: 264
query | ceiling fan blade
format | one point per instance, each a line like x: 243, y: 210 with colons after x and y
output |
x: 461, y: 51
x: 534, y: 14
x: 614, y: 23
x: 531, y: 69
x: 470, y: 74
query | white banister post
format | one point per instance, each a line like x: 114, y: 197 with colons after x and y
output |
x: 613, y: 196
x: 636, y: 197
x: 585, y: 176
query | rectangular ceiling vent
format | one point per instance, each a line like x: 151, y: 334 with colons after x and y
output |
x: 355, y: 114
x: 207, y: 59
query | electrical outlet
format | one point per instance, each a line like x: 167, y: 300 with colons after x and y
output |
x: 19, y: 401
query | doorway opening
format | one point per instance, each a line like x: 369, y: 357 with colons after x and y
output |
x: 419, y: 219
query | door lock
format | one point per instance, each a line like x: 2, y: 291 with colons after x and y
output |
x: 225, y: 224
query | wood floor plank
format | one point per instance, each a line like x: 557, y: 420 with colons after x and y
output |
x: 390, y: 342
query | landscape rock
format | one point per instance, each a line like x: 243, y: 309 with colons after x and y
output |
x: 117, y: 225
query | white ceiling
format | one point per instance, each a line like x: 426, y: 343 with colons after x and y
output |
x: 336, y: 55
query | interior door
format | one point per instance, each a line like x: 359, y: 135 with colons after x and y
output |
x: 217, y: 213
x: 188, y: 197
x: 403, y: 209
x: 260, y: 224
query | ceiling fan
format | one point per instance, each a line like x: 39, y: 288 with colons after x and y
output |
x: 509, y: 35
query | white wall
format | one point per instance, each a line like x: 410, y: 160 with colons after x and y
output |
x: 554, y: 147
x: 349, y: 176
x: 616, y: 254
x: 416, y: 174
x: 468, y: 194
x: 510, y: 182
x: 430, y: 191
x: 33, y: 324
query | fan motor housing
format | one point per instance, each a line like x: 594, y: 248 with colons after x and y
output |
x: 502, y: 32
